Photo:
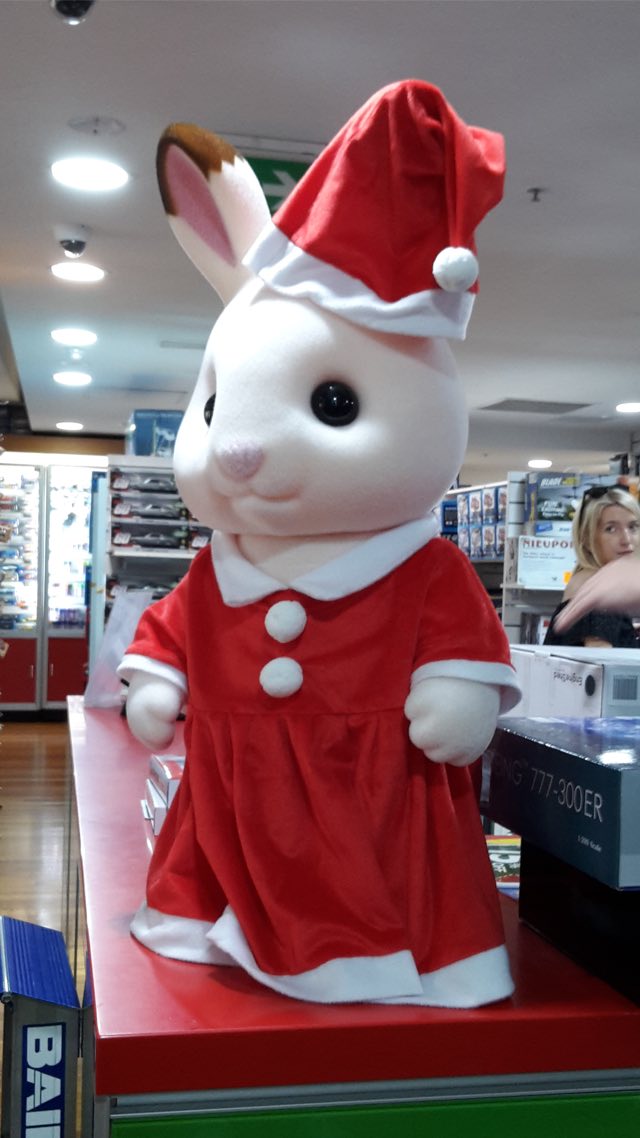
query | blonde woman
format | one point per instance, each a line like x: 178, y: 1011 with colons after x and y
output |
x: 606, y: 528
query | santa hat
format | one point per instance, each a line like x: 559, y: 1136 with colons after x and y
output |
x: 381, y: 227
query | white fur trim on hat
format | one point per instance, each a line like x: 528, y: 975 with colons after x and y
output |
x: 287, y: 269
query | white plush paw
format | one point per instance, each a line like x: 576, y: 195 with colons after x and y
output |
x: 452, y: 720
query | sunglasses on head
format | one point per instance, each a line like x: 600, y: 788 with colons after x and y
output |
x: 592, y: 493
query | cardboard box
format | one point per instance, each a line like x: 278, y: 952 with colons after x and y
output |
x: 489, y: 541
x: 551, y: 497
x: 572, y: 787
x: 153, y: 432
x: 475, y: 542
x: 596, y: 926
x: 475, y: 506
x: 490, y: 504
x: 545, y: 561
x: 577, y: 682
x: 462, y: 508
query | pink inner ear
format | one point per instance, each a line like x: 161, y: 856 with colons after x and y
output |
x: 194, y: 203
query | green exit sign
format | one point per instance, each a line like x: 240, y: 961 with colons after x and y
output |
x: 277, y: 176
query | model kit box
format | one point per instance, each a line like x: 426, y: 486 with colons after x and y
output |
x: 572, y: 787
x: 462, y: 508
x: 551, y: 498
x: 475, y: 542
x: 489, y: 505
x: 153, y: 432
x: 488, y: 540
x: 597, y: 926
x: 464, y: 542
x: 577, y: 682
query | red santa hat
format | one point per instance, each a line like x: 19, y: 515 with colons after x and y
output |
x: 381, y: 227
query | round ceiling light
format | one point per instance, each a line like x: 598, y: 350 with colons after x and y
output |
x: 95, y: 175
x: 539, y: 463
x: 74, y: 337
x: 72, y: 378
x: 70, y: 426
x: 628, y: 408
x: 80, y: 272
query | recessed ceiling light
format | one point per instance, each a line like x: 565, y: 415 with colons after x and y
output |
x: 69, y: 426
x: 95, y: 175
x: 74, y: 337
x: 628, y: 408
x: 539, y: 463
x: 78, y: 271
x: 72, y: 378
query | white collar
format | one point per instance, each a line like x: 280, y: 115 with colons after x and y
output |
x: 241, y: 583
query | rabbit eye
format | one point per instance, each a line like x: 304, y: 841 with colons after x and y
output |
x: 208, y: 409
x: 335, y: 403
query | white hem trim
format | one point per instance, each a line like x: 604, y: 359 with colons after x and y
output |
x: 131, y: 664
x: 502, y: 676
x: 288, y: 269
x: 391, y: 979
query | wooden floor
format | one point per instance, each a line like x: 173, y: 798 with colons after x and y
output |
x: 34, y: 796
x: 35, y: 790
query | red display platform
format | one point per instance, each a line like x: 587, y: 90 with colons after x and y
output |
x: 164, y: 1026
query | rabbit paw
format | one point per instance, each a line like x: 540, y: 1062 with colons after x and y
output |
x: 153, y: 705
x: 452, y: 720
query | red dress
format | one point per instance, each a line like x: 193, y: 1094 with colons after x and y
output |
x: 310, y: 841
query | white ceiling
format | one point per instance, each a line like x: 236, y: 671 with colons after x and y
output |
x: 558, y: 316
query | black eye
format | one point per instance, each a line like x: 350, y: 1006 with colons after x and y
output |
x: 335, y: 403
x: 208, y: 409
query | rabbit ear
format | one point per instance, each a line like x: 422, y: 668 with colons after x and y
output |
x: 214, y: 202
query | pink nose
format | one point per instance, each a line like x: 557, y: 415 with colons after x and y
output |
x: 240, y: 459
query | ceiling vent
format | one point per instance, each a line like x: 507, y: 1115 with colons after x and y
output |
x: 534, y: 407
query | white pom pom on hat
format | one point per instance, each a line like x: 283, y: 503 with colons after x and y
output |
x: 455, y: 270
x: 380, y: 229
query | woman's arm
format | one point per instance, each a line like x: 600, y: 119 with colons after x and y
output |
x: 614, y: 588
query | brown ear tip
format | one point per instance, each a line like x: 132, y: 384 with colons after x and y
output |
x: 206, y: 150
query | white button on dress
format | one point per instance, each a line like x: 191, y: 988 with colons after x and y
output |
x: 285, y: 621
x: 281, y: 677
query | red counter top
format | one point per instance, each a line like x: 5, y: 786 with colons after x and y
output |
x: 162, y: 1025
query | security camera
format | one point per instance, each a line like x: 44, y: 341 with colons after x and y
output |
x: 71, y: 11
x: 72, y: 239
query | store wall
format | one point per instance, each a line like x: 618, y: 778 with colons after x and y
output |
x: 58, y: 444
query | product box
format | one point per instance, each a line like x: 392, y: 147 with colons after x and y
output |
x: 488, y: 540
x: 153, y: 432
x: 501, y: 539
x: 502, y: 497
x: 147, y: 535
x: 490, y: 504
x: 154, y: 806
x: 464, y: 542
x: 572, y: 787
x: 462, y: 507
x: 595, y: 925
x: 143, y: 481
x: 475, y: 542
x: 165, y: 772
x: 551, y: 497
x: 545, y: 561
x: 143, y: 507
x: 448, y: 515
x: 580, y: 682
x: 475, y: 506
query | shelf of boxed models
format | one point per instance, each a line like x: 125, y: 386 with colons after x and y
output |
x: 474, y: 518
x: 148, y: 522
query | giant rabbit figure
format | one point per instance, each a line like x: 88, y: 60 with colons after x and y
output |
x: 340, y: 663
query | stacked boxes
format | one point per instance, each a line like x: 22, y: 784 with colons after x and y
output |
x: 571, y: 789
x: 481, y: 514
